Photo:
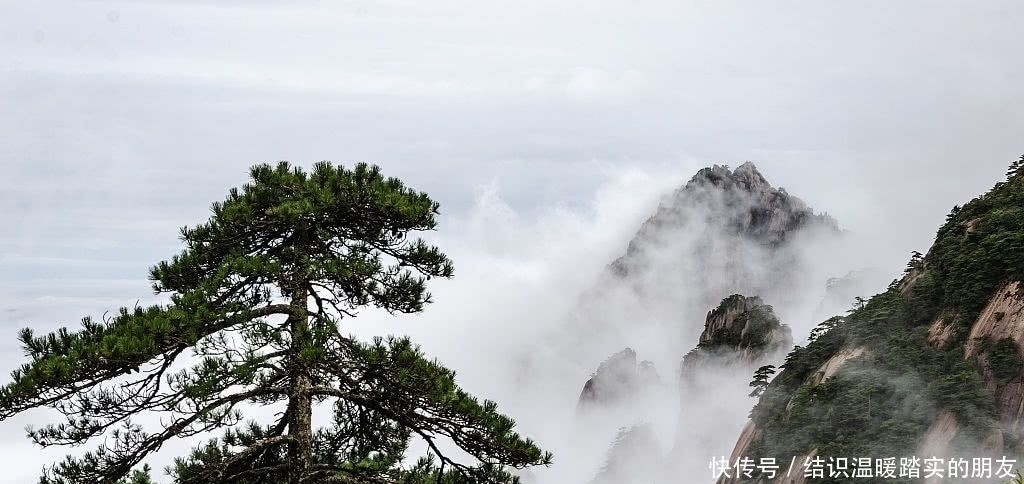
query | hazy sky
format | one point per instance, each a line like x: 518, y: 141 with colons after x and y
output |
x: 121, y: 121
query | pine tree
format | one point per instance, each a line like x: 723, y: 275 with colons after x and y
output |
x: 1016, y: 168
x: 916, y: 262
x: 858, y: 303
x: 762, y: 376
x: 827, y: 325
x: 256, y: 300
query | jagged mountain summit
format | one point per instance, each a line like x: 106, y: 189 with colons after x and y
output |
x: 723, y: 232
x: 932, y: 367
x: 740, y: 202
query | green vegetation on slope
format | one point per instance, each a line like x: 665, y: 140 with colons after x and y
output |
x: 880, y: 403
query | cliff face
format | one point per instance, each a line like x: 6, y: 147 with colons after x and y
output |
x: 933, y: 366
x: 624, y: 395
x: 740, y: 331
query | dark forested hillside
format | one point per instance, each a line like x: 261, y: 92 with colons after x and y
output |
x: 931, y: 366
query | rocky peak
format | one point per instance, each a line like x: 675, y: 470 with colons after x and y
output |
x: 747, y: 186
x: 738, y: 202
x: 739, y: 335
x: 618, y: 377
x: 746, y: 176
x: 743, y: 324
x: 720, y: 326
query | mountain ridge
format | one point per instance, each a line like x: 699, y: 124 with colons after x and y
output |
x: 931, y: 365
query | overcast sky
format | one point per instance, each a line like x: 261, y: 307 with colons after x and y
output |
x: 121, y: 121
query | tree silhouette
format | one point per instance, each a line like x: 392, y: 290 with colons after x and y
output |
x: 762, y: 376
x: 257, y: 298
x: 1016, y: 168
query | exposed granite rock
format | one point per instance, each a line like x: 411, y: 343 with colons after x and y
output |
x: 940, y: 332
x: 939, y: 440
x: 724, y: 232
x: 740, y: 330
x: 1002, y: 319
x: 833, y: 364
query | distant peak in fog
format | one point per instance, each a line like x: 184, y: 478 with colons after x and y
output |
x: 733, y: 202
x: 772, y: 210
x: 618, y: 378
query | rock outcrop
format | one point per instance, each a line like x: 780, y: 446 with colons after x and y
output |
x: 617, y: 379
x: 740, y: 331
x: 996, y: 339
x: 724, y: 232
x: 740, y: 335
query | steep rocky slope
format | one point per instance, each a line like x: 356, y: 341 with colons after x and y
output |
x: 931, y: 367
x: 742, y: 331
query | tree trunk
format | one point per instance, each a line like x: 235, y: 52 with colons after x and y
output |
x: 300, y: 425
